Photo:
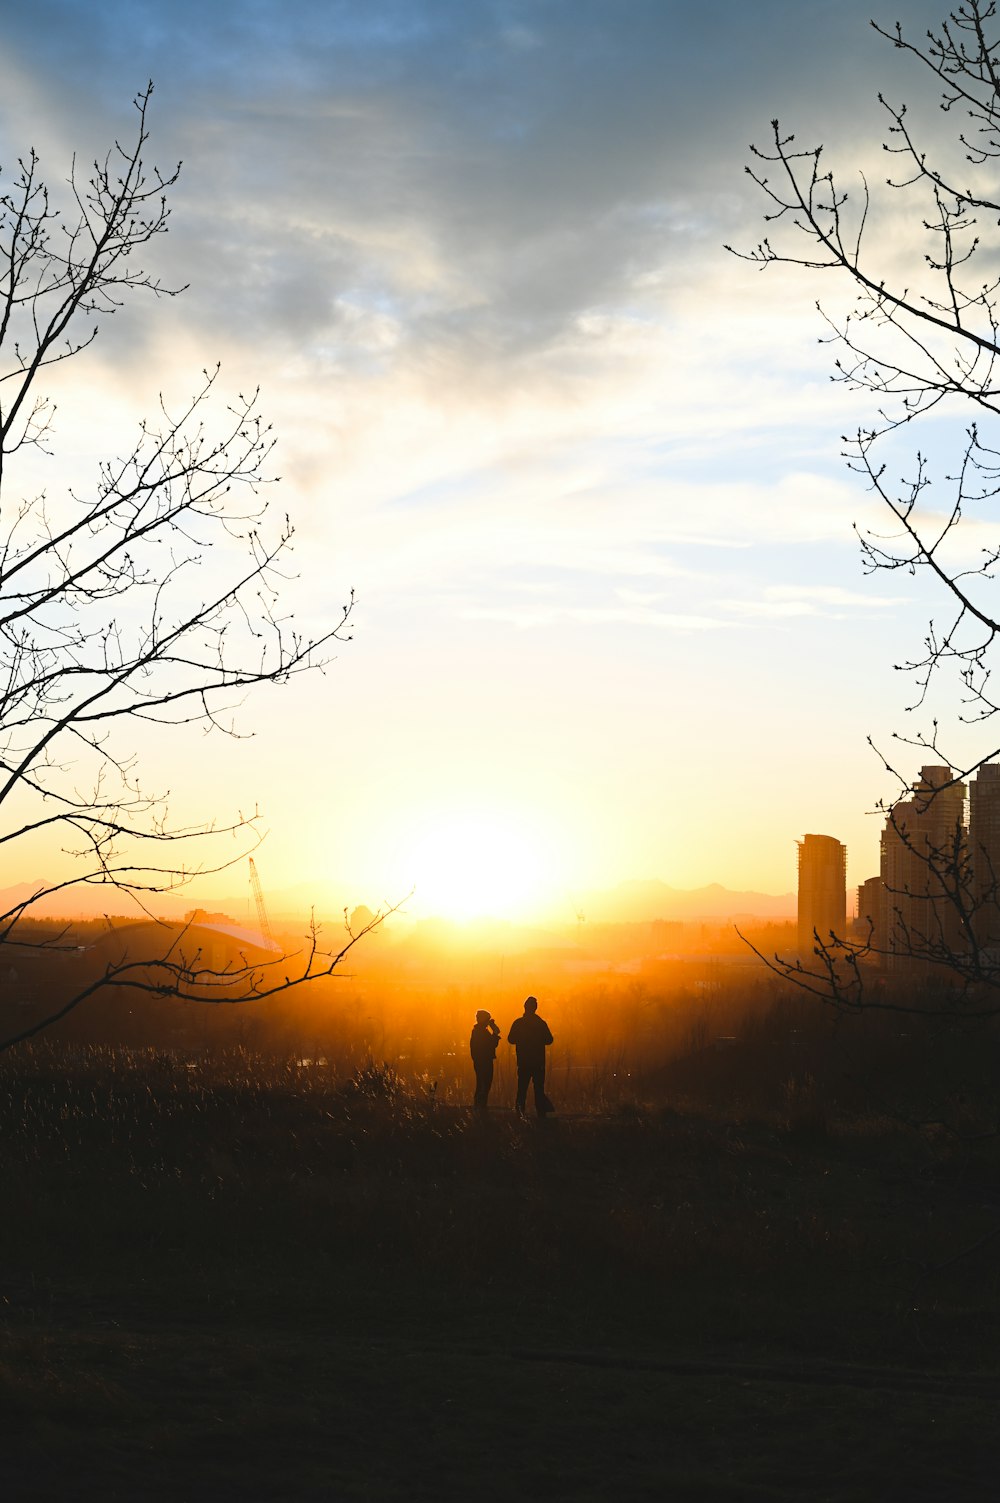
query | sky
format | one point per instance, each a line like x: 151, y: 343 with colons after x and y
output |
x: 581, y: 467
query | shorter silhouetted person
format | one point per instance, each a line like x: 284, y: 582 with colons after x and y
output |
x: 531, y: 1036
x: 483, y: 1047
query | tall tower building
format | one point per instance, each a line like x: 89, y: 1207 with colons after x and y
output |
x: 984, y: 851
x: 822, y: 890
x: 923, y: 856
x: 871, y: 913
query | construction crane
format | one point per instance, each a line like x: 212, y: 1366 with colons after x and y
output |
x: 258, y: 896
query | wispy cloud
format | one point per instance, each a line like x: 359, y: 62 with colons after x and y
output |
x: 783, y: 601
x: 527, y: 616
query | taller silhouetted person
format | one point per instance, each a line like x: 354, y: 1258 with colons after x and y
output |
x: 531, y: 1036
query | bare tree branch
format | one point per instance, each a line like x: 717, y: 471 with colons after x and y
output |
x: 920, y: 334
x: 150, y: 593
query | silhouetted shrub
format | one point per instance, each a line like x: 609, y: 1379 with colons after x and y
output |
x: 379, y: 1082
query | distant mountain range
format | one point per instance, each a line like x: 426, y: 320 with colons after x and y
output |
x: 639, y: 902
x: 633, y: 902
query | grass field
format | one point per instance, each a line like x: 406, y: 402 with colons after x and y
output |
x: 240, y: 1279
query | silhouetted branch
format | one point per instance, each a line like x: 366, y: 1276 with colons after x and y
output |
x: 151, y: 593
x: 187, y: 978
x: 920, y: 333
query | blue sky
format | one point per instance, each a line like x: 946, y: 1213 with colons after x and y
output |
x: 581, y: 467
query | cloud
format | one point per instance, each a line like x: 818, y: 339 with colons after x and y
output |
x: 482, y: 176
x: 788, y: 601
x: 526, y: 616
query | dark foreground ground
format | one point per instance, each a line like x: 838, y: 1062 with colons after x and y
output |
x: 237, y: 1282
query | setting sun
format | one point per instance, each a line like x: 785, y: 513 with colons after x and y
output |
x: 475, y: 864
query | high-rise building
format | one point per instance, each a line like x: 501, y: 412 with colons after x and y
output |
x: 984, y: 852
x: 870, y: 927
x: 822, y: 890
x: 924, y: 859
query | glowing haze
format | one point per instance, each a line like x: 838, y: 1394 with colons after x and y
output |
x: 581, y: 468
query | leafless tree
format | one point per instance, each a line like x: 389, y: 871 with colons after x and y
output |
x: 924, y: 329
x: 149, y: 594
x: 921, y: 337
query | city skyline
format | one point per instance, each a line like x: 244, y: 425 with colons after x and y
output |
x: 936, y: 895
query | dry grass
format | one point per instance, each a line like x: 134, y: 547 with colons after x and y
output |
x: 296, y: 1273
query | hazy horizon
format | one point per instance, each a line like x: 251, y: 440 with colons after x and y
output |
x: 634, y: 900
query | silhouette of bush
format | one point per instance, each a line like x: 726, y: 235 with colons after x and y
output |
x: 378, y: 1082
